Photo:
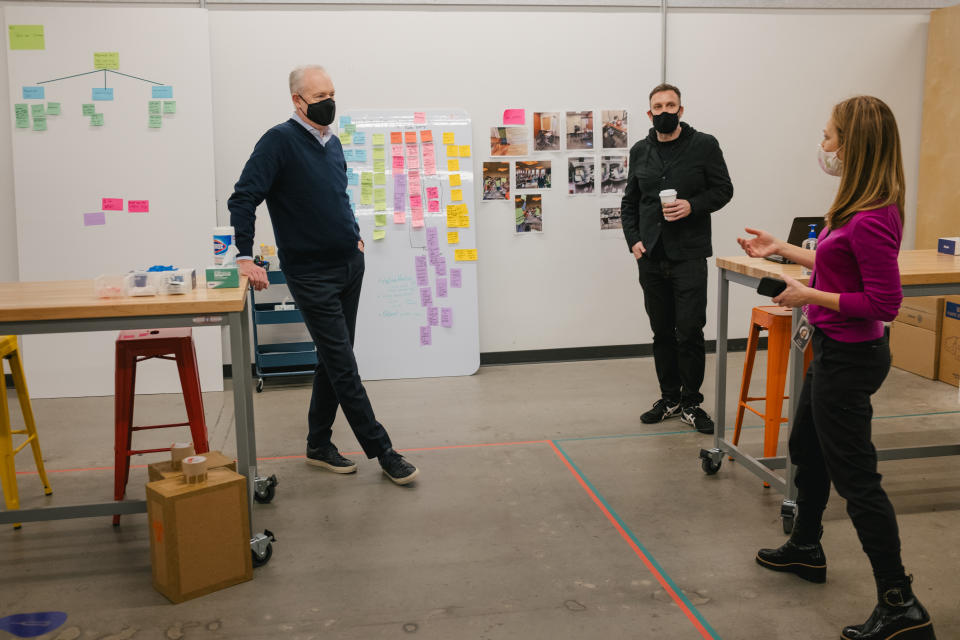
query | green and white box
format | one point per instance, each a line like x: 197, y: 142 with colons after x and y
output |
x: 223, y: 278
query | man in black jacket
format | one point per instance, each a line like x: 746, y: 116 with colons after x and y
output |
x: 671, y: 243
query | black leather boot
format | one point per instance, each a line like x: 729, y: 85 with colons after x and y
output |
x: 897, y: 616
x: 799, y: 556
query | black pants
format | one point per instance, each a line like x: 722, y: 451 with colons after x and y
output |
x: 328, y: 300
x: 830, y: 442
x: 675, y: 297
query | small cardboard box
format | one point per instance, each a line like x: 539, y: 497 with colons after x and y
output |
x: 215, y: 460
x: 915, y: 349
x: 950, y: 342
x: 925, y: 312
x: 223, y: 278
x: 199, y: 534
x: 949, y: 246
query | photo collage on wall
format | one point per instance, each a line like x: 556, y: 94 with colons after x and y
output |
x: 514, y: 162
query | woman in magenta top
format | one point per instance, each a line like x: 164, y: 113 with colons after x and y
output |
x: 854, y: 289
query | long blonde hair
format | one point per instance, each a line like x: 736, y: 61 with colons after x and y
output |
x: 872, y: 175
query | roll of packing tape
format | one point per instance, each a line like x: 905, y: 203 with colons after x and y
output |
x: 179, y: 451
x: 194, y: 469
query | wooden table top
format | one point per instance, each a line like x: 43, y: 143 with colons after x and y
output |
x: 920, y: 266
x: 75, y: 299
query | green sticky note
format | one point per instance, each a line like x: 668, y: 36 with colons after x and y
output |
x: 96, y: 119
x: 89, y: 109
x: 379, y: 153
x: 154, y: 107
x: 53, y: 108
x: 366, y: 179
x: 379, y: 166
x: 381, y: 219
x: 380, y: 195
x: 106, y: 60
x: 366, y: 194
x: 350, y: 128
x: 155, y: 122
x: 346, y: 138
x: 37, y: 110
x: 22, y: 113
x: 379, y: 178
x: 169, y: 107
x: 379, y: 234
x: 378, y: 140
x: 39, y: 123
x: 25, y: 37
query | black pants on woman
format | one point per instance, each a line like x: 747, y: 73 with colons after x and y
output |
x: 830, y: 442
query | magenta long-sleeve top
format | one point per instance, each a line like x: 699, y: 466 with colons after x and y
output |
x: 859, y: 261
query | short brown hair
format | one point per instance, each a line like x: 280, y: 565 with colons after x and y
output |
x: 665, y: 87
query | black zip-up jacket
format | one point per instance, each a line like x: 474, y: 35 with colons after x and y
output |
x: 698, y: 173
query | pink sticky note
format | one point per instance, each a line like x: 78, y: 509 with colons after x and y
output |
x: 433, y: 193
x: 433, y: 316
x: 419, y: 117
x: 398, y: 162
x: 396, y: 149
x: 413, y: 159
x: 433, y: 206
x: 112, y: 204
x: 456, y: 278
x: 416, y: 202
x: 446, y: 317
x: 94, y: 219
x: 417, y: 223
x: 514, y: 116
x: 429, y: 160
x: 426, y: 298
x: 138, y: 206
x: 441, y: 287
x: 425, y: 336
x: 399, y: 217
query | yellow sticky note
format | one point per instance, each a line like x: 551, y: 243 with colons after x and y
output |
x: 464, y: 151
x: 448, y: 137
x: 453, y: 151
x: 378, y: 140
x: 346, y: 138
x: 26, y: 36
x: 465, y: 255
x: 380, y: 219
x: 379, y: 153
x: 106, y: 60
x: 454, y: 179
x: 379, y: 234
x: 379, y: 178
x: 453, y: 164
x: 453, y: 237
x: 456, y: 194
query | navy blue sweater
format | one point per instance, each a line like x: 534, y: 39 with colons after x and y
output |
x: 305, y: 186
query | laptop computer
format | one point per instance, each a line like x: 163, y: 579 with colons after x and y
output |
x: 799, y: 231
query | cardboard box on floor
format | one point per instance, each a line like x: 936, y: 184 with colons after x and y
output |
x: 199, y: 534
x: 914, y: 349
x: 950, y: 342
x: 925, y: 312
x: 215, y: 459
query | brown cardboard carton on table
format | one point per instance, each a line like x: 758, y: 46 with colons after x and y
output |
x: 215, y: 459
x: 950, y: 342
x: 199, y: 534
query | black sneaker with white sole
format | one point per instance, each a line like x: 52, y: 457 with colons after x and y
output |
x: 661, y: 410
x: 329, y: 458
x: 397, y: 468
x: 697, y: 418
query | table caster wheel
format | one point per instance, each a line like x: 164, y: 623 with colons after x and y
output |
x: 710, y: 460
x: 265, y: 489
x: 788, y: 515
x: 261, y: 548
x: 260, y: 385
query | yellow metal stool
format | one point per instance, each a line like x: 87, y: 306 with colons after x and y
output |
x: 8, y: 473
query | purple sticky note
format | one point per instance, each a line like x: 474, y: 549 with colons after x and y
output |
x: 441, y: 287
x: 94, y: 219
x: 421, y: 267
x: 455, y: 278
x: 446, y: 317
x: 426, y: 299
x: 425, y: 336
x: 433, y: 316
x: 433, y: 240
x: 441, y: 265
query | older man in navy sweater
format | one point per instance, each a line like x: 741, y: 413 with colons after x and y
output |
x: 299, y: 169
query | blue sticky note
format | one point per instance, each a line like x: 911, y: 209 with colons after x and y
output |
x: 353, y: 177
x: 163, y: 92
x: 103, y: 94
x: 33, y: 93
x: 348, y: 155
x: 359, y: 155
x: 31, y: 625
x: 360, y: 138
x: 345, y: 120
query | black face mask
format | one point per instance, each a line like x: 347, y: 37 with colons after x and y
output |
x: 321, y: 112
x: 666, y: 122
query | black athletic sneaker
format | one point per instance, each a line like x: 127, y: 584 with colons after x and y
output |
x: 661, y: 410
x: 397, y: 468
x: 329, y: 458
x: 697, y: 418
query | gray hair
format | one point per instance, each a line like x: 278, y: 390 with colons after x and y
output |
x: 296, y: 76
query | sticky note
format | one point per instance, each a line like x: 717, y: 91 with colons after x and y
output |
x: 96, y: 120
x: 426, y: 135
x: 346, y: 138
x: 380, y: 199
x: 381, y: 220
x: 446, y: 317
x: 398, y: 162
x: 379, y: 178
x: 101, y: 94
x: 169, y: 107
x: 39, y: 123
x: 413, y: 158
x: 465, y: 255
x: 419, y: 117
x: 350, y: 128
x: 453, y: 164
x: 352, y: 177
x: 94, y: 219
x: 26, y: 37
x: 153, y: 107
x: 433, y: 193
x: 22, y: 114
x: 379, y: 234
x: 454, y: 179
x: 379, y: 153
x: 106, y: 60
x: 464, y: 151
x: 456, y: 194
x: 112, y: 204
x: 33, y: 93
x: 366, y: 194
x: 448, y: 137
x: 420, y: 264
x: 433, y: 316
x: 426, y: 298
x: 345, y: 120
x: 410, y: 137
x: 348, y: 155
x: 360, y: 155
x: 514, y: 116
x: 432, y: 238
x: 53, y: 108
x: 441, y: 265
x: 379, y: 166
x: 366, y: 178
x: 414, y: 177
x: 425, y: 338
x: 378, y: 140
x: 138, y: 206
x: 416, y: 202
x: 429, y: 160
x: 453, y: 151
x: 360, y: 137
x: 399, y: 217
x: 456, y: 278
x: 162, y: 92
x: 433, y: 206
x: 396, y: 137
x: 441, y: 287
x: 155, y: 122
x: 453, y: 237
x: 89, y: 109
x: 37, y: 110
x: 416, y: 222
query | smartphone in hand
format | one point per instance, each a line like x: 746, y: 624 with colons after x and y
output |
x: 771, y: 287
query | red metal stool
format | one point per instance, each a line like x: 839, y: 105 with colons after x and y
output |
x: 137, y: 346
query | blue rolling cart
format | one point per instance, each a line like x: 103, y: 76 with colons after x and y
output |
x: 279, y: 359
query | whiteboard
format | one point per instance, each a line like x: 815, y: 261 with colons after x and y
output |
x: 65, y: 172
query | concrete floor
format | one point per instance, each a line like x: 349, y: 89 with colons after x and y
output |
x: 545, y: 509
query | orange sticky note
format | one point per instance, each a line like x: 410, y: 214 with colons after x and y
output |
x: 426, y: 135
x: 453, y: 151
x: 455, y: 180
x: 465, y: 255
x: 411, y: 137
x: 456, y: 194
x: 453, y: 237
x: 453, y: 164
x: 464, y: 151
x: 396, y: 137
x: 448, y: 137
